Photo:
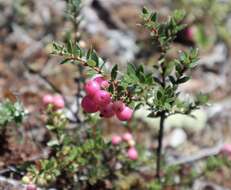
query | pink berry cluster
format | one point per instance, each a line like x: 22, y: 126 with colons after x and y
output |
x: 98, y: 99
x: 57, y: 101
x: 127, y: 138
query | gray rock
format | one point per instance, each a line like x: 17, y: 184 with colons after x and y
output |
x: 177, y: 137
x: 177, y: 121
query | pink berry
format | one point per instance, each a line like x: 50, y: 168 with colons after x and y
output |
x: 190, y: 32
x: 58, y: 102
x: 125, y: 114
x: 102, y: 98
x: 127, y: 137
x: 99, y: 79
x: 226, y: 149
x: 89, y: 105
x: 107, y: 111
x: 116, y: 139
x: 103, y: 83
x: 132, y: 153
x: 118, y: 106
x: 47, y: 99
x: 91, y: 87
x: 31, y: 187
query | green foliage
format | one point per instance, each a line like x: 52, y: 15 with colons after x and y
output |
x: 202, y: 12
x: 80, y: 159
x: 154, y: 185
x: 72, y: 53
x: 170, y: 73
x: 158, y: 90
x: 163, y: 32
x: 217, y: 162
x: 183, y: 176
x: 73, y: 10
x: 11, y: 112
x: 83, y: 160
x: 86, y: 159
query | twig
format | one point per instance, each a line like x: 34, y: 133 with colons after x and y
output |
x: 159, y: 148
x: 198, y: 156
x: 81, y: 61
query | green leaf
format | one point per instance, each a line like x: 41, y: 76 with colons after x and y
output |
x: 114, y: 72
x: 183, y: 56
x: 111, y: 88
x: 77, y: 51
x: 89, y: 52
x: 91, y: 63
x: 94, y: 57
x: 53, y: 142
x: 69, y: 46
x: 202, y: 98
x: 149, y: 79
x: 145, y: 10
x: 64, y: 61
x: 183, y: 79
x: 172, y: 79
x: 55, y: 46
x: 101, y: 63
x: 137, y: 106
x: 153, y: 17
x: 11, y: 112
x: 131, y: 70
x: 159, y: 94
x: 200, y: 36
x: 179, y: 15
x: 169, y: 68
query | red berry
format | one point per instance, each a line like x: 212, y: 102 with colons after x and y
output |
x: 125, y: 114
x: 91, y: 87
x: 89, y: 105
x: 107, y: 111
x: 102, y: 98
x: 132, y: 153
x: 116, y: 139
x: 118, y: 106
x: 101, y: 81
x: 58, y: 102
x: 47, y: 99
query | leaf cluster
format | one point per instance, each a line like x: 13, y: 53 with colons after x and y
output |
x: 83, y: 160
x: 11, y: 112
x: 170, y: 73
x: 163, y: 32
x: 73, y: 53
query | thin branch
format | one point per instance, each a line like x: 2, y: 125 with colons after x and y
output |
x: 204, y: 153
x: 81, y: 61
x: 159, y: 148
